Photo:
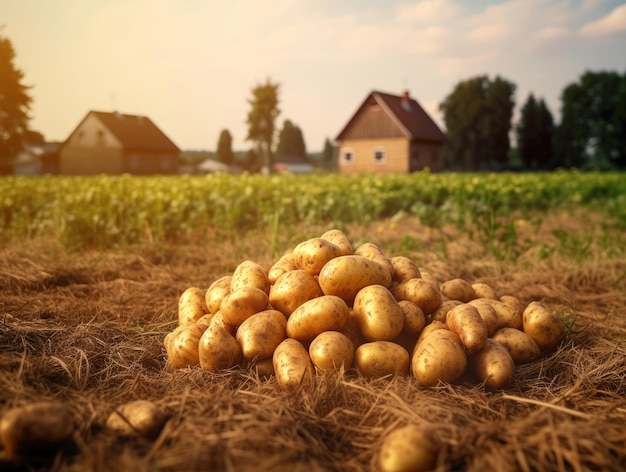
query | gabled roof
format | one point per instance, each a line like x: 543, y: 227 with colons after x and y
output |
x: 406, y: 113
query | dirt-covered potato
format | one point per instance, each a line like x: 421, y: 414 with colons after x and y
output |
x: 465, y: 321
x: 410, y: 448
x: 375, y: 253
x: 493, y: 365
x: 344, y: 276
x: 285, y: 263
x: 508, y: 317
x: 419, y: 291
x: 182, y: 345
x: 138, y: 417
x: 545, y: 327
x: 249, y: 274
x: 381, y: 358
x: 241, y: 304
x: 487, y: 313
x: 292, y: 365
x: 36, y: 429
x: 352, y: 330
x: 331, y: 350
x: 292, y: 289
x: 520, y: 345
x: 311, y: 255
x: 218, y: 349
x: 414, y: 318
x: 457, y: 289
x: 438, y: 357
x: 216, y: 293
x: 442, y: 310
x: 513, y: 302
x: 325, y: 313
x: 483, y: 290
x: 264, y: 368
x: 378, y: 314
x: 339, y: 239
x: 432, y: 326
x: 259, y: 335
x: 404, y: 269
x: 191, y: 305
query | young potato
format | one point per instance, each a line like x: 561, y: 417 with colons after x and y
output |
x: 521, y: 346
x: 331, y: 350
x: 442, y: 310
x: 508, y: 317
x: 404, y: 269
x: 465, y: 321
x: 493, y: 365
x: 285, y: 263
x: 259, y: 335
x: 292, y: 289
x: 325, y: 313
x: 191, y: 305
x: 344, y: 276
x: 458, y: 289
x: 487, y: 313
x: 311, y: 255
x: 378, y: 314
x: 546, y: 328
x: 250, y: 274
x: 438, y: 357
x: 375, y: 253
x: 339, y: 239
x: 410, y: 448
x: 483, y: 290
x: 216, y: 293
x: 182, y: 345
x: 414, y: 318
x: 218, y: 349
x: 381, y: 358
x: 421, y: 292
x: 292, y: 365
x: 138, y: 417
x: 242, y: 303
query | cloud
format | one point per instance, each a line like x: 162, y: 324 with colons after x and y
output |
x: 614, y: 22
x: 428, y: 11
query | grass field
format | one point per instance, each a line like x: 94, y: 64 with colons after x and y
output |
x: 91, y: 270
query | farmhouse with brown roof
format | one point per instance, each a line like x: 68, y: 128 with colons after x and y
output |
x: 116, y: 143
x: 390, y: 134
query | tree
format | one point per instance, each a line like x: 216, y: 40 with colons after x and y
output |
x: 291, y: 141
x: 328, y: 155
x: 224, y: 152
x: 14, y: 103
x: 478, y: 115
x: 261, y: 120
x: 535, y: 132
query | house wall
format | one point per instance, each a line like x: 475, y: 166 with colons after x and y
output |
x: 148, y: 163
x: 363, y: 156
x: 426, y: 154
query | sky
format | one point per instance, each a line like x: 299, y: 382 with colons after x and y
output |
x: 190, y: 65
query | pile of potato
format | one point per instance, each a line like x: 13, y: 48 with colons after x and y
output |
x: 326, y: 305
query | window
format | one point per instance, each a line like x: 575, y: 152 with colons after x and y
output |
x: 380, y: 155
x: 100, y: 138
x: 348, y: 156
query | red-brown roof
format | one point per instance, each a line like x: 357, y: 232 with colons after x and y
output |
x: 409, y: 116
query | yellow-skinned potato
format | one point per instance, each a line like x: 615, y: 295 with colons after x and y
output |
x: 339, y: 239
x: 284, y: 264
x: 217, y: 318
x: 311, y: 255
x: 325, y: 313
x: 344, y: 276
x: 259, y: 335
x: 483, y: 290
x: 191, y: 305
x: 242, y: 303
x: 465, y: 321
x: 432, y: 326
x: 378, y: 314
x: 428, y: 277
x: 250, y: 274
x: 216, y: 293
x: 442, y: 310
x: 520, y: 345
x: 508, y: 317
x: 381, y: 358
x: 331, y: 350
x: 458, y: 289
x: 414, y: 318
x: 292, y: 289
x: 439, y: 356
x: 421, y: 292
x: 352, y: 330
x: 410, y: 448
x: 375, y: 253
x: 487, y: 313
x: 404, y: 269
x: 264, y: 368
x: 182, y: 345
x: 546, y: 328
x: 513, y: 302
x: 137, y: 417
x: 493, y: 365
x: 218, y: 349
x: 292, y: 365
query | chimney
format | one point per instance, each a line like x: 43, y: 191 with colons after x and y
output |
x: 406, y: 101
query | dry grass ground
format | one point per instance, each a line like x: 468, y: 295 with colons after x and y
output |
x: 87, y: 328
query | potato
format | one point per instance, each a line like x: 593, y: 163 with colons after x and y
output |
x: 410, y: 448
x: 182, y: 345
x: 442, y: 310
x: 508, y: 317
x: 513, y: 302
x: 218, y: 349
x: 487, y: 313
x: 465, y: 321
x: 493, y: 365
x: 378, y: 314
x: 191, y: 305
x: 284, y: 264
x: 428, y: 277
x: 35, y: 429
x: 331, y: 350
x: 414, y: 318
x: 216, y: 293
x: 242, y: 303
x: 217, y: 318
x: 292, y: 289
x: 138, y: 417
x: 438, y: 357
x: 264, y: 368
x: 344, y: 276
x: 292, y: 365
x: 352, y: 330
x: 432, y: 326
x: 381, y: 358
x: 546, y: 328
x: 419, y: 291
x: 483, y: 290
x: 520, y: 345
x: 404, y: 269
x: 249, y: 274
x: 375, y: 253
x: 457, y: 289
x: 311, y: 255
x: 325, y: 313
x: 259, y: 335
x: 339, y: 239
